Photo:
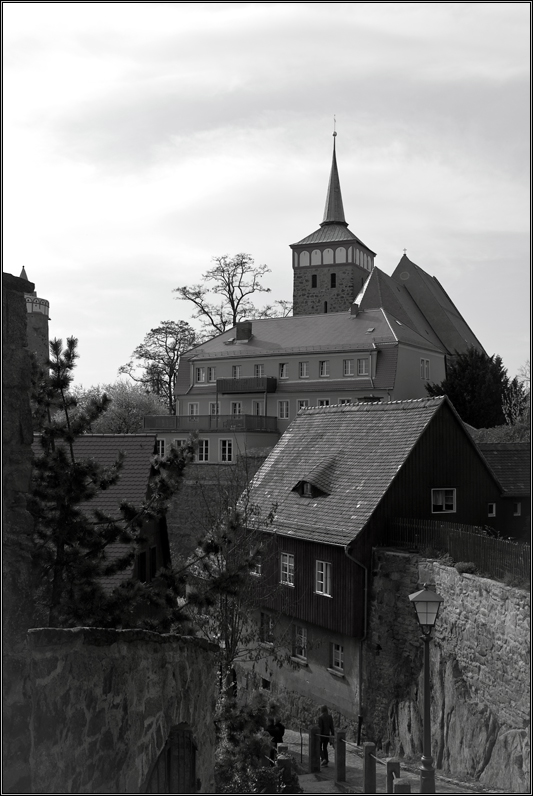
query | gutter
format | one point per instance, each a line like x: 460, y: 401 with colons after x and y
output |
x: 365, y: 630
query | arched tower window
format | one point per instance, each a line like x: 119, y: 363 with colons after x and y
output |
x: 357, y: 256
x: 350, y: 254
x: 316, y: 258
x: 328, y: 256
x: 340, y: 255
x: 304, y: 258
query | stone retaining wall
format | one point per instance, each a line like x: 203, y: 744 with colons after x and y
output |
x: 104, y: 701
x: 479, y: 671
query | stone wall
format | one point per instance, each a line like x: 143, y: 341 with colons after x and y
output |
x: 479, y: 671
x: 104, y: 701
x: 17, y: 529
x: 310, y: 300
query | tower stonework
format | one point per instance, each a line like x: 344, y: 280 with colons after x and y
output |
x: 331, y: 264
x: 38, y: 312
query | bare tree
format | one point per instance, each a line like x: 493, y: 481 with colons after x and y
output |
x: 235, y: 280
x: 155, y: 361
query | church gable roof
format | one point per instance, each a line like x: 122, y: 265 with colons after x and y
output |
x: 359, y: 449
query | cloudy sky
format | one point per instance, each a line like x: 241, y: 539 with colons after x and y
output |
x: 142, y: 139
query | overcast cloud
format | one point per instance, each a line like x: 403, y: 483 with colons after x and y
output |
x: 141, y: 139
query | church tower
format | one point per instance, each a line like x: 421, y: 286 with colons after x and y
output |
x: 38, y: 310
x: 331, y: 264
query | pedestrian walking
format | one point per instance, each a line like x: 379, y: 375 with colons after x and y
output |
x: 327, y: 732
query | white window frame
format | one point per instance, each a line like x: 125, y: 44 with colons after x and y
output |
x: 226, y: 450
x: 363, y: 366
x: 194, y: 409
x: 303, y: 369
x: 447, y: 498
x: 302, y: 403
x: 323, y: 402
x: 259, y: 370
x: 160, y: 447
x: 517, y: 508
x: 283, y: 410
x: 283, y: 370
x: 337, y: 657
x: 200, y: 375
x: 214, y: 408
x: 491, y: 509
x: 345, y: 402
x: 179, y: 443
x: 235, y: 371
x: 286, y: 569
x: 258, y: 408
x: 300, y: 642
x: 257, y: 568
x: 424, y: 369
x: 347, y: 367
x: 236, y: 408
x: 323, y: 368
x: 203, y: 450
x: 323, y: 578
x: 211, y: 374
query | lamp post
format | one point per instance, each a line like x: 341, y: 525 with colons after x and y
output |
x: 427, y: 604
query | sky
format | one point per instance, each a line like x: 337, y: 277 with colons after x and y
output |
x: 143, y: 139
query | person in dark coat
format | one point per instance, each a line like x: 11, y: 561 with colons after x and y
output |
x: 276, y: 730
x: 327, y: 732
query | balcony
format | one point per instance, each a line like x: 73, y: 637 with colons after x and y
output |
x: 203, y: 423
x: 259, y: 384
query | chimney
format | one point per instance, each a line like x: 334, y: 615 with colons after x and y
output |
x: 243, y: 330
x: 354, y: 308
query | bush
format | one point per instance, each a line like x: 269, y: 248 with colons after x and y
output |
x: 465, y: 568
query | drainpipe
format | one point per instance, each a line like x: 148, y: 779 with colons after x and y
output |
x: 365, y: 621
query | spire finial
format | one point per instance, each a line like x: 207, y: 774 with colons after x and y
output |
x: 334, y: 130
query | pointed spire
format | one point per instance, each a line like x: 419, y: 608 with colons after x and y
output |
x: 334, y: 211
x: 23, y: 274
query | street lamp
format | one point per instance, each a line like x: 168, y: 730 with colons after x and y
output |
x: 427, y: 604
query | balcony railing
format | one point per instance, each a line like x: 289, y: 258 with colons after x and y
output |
x: 205, y: 423
x: 258, y: 384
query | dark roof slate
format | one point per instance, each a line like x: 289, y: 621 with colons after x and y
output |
x: 358, y: 450
x: 511, y: 464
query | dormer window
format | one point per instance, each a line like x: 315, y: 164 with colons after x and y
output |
x: 308, y: 490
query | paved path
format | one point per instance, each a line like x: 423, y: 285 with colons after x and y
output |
x: 324, y: 782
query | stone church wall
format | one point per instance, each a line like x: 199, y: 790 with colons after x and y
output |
x: 479, y: 671
x: 104, y: 701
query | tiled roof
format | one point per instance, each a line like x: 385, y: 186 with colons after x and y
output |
x: 332, y: 233
x: 511, y: 464
x: 131, y: 486
x: 354, y: 451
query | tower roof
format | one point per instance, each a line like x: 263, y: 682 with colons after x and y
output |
x: 334, y: 210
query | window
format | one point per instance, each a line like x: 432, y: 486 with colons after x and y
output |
x: 314, y: 280
x: 141, y: 567
x: 325, y: 307
x: 287, y: 569
x: 160, y: 447
x: 323, y: 401
x: 283, y: 410
x: 214, y: 408
x: 517, y: 509
x: 153, y: 562
x: 307, y: 489
x: 258, y: 408
x: 323, y: 368
x: 259, y: 371
x: 193, y: 410
x: 200, y: 374
x: 266, y: 628
x: 333, y: 280
x: 345, y: 401
x: 491, y: 509
x: 302, y: 403
x: 226, y: 450
x: 257, y: 567
x: 236, y: 408
x: 203, y: 450
x: 304, y: 370
x: 337, y: 657
x: 283, y: 370
x: 211, y: 374
x: 235, y: 371
x: 300, y: 642
x: 180, y: 443
x: 347, y: 367
x: 424, y: 369
x: 265, y: 684
x: 442, y: 500
x: 363, y: 367
x: 323, y: 578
